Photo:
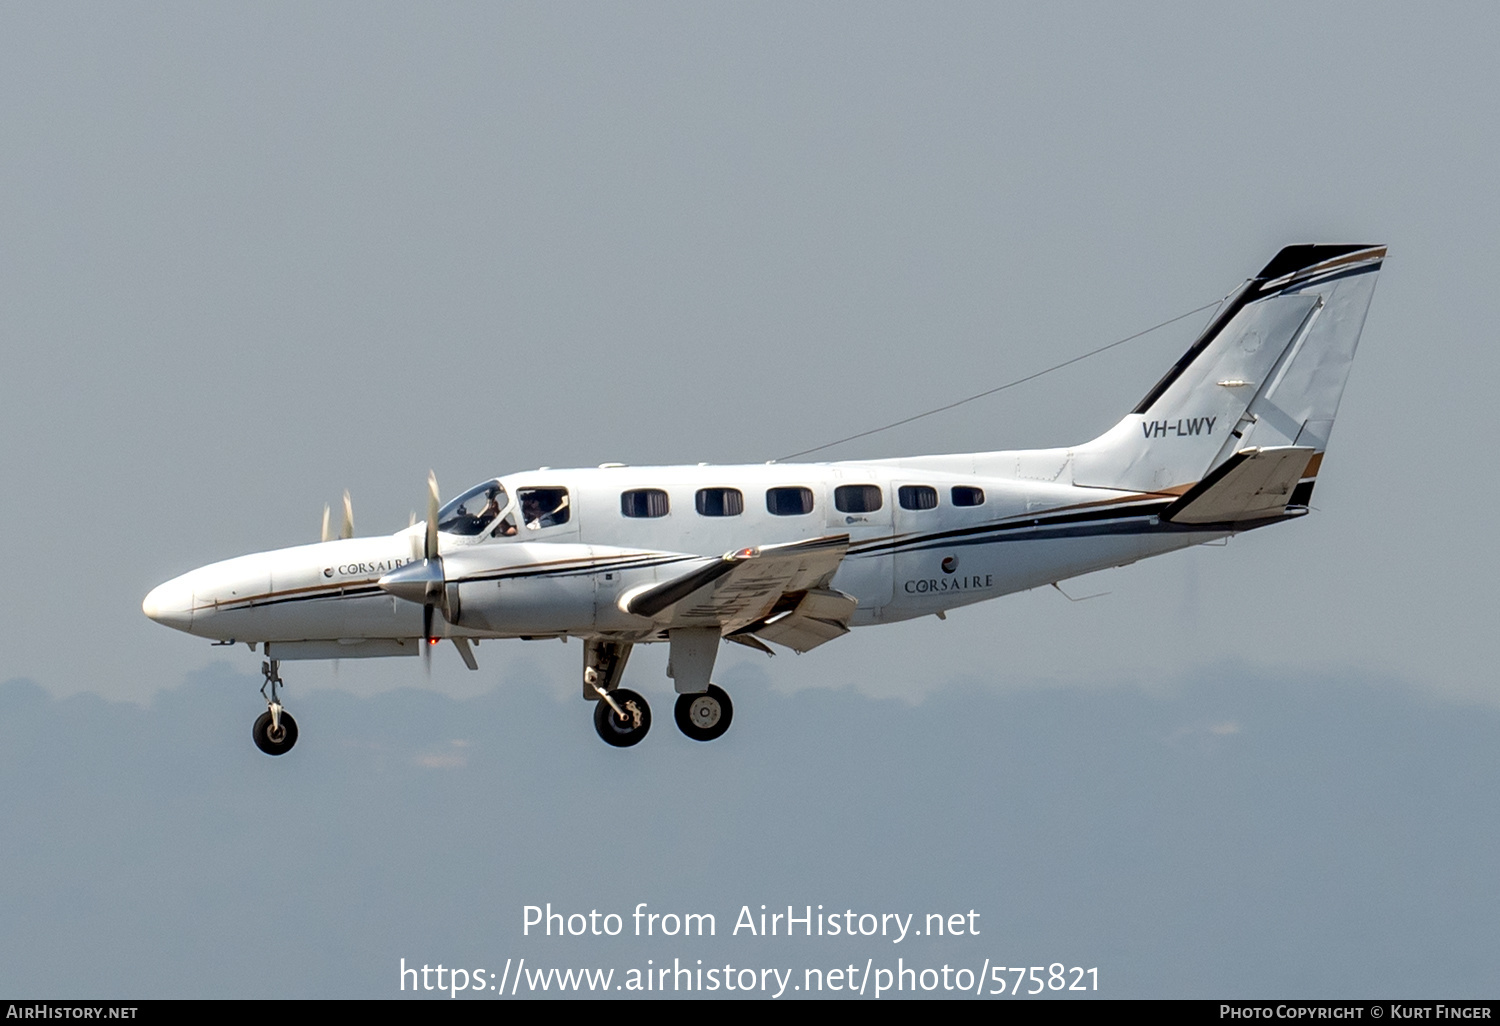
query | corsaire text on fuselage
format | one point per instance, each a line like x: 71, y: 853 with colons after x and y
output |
x: 385, y: 566
x: 931, y: 584
x: 1182, y: 427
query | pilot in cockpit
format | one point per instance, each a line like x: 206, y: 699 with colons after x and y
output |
x: 473, y: 512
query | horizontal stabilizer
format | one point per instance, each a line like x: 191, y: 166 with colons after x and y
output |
x: 1253, y: 484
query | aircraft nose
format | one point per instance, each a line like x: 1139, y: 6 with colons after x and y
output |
x: 171, y: 604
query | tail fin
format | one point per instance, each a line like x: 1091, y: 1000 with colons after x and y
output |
x: 1267, y: 372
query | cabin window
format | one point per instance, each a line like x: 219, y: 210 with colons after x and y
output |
x: 963, y: 495
x: 918, y: 497
x: 643, y: 502
x: 789, y: 502
x: 857, y: 498
x: 720, y: 502
x: 544, y: 507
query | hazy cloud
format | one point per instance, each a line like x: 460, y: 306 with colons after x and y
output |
x: 155, y: 852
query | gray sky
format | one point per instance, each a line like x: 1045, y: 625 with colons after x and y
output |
x: 256, y: 255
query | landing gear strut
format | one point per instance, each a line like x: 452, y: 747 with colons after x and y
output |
x: 706, y: 715
x: 275, y: 731
x: 621, y: 717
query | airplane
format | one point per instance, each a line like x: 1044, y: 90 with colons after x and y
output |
x: 797, y: 554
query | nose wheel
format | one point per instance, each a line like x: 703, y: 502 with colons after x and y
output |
x: 622, y: 718
x: 706, y: 715
x: 275, y: 731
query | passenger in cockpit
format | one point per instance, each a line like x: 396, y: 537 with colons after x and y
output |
x: 544, y: 507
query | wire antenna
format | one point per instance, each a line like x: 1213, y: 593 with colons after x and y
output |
x: 1001, y: 388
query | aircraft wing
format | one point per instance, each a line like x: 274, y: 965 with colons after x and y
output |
x: 777, y: 592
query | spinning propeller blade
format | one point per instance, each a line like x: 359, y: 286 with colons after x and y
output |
x: 423, y: 580
x: 431, y: 551
x: 432, y: 515
x: 427, y: 639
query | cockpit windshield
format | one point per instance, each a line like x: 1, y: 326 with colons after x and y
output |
x: 474, y: 510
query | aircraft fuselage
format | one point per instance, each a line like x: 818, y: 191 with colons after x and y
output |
x: 566, y: 579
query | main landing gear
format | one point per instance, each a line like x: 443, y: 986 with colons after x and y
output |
x: 704, y: 716
x: 275, y: 731
x: 622, y: 717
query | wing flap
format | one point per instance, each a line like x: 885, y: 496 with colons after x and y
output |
x: 740, y: 588
x: 820, y: 616
x: 1251, y: 485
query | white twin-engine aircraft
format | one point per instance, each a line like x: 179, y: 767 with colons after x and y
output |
x: 796, y: 554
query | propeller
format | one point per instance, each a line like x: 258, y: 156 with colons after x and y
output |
x: 346, y: 529
x: 432, y: 515
x: 431, y: 557
x: 422, y: 580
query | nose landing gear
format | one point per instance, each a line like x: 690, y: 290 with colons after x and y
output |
x: 275, y: 731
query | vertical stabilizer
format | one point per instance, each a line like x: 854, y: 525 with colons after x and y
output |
x: 1268, y: 371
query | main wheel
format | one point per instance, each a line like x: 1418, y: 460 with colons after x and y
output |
x: 622, y: 733
x: 704, y: 716
x: 282, y: 743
